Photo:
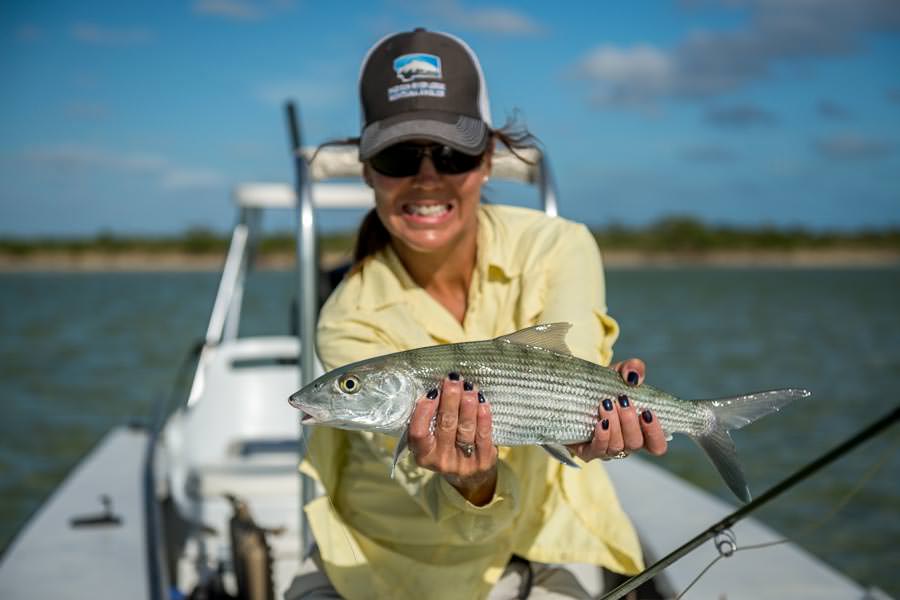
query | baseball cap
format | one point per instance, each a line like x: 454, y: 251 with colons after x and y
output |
x: 423, y: 84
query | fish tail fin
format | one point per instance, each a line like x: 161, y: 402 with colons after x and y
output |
x: 734, y: 413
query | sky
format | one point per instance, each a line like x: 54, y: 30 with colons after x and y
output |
x: 140, y: 117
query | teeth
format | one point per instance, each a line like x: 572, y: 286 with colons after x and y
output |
x: 430, y: 210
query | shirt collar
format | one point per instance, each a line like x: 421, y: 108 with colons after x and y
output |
x: 494, y: 245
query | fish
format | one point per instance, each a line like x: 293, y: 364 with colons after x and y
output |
x: 539, y: 394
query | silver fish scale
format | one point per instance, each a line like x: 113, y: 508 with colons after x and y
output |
x: 538, y: 396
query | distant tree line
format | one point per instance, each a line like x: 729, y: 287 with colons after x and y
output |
x: 674, y: 233
x: 682, y: 233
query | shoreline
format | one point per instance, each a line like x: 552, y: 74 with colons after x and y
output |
x: 91, y: 261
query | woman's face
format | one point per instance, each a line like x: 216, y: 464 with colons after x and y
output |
x: 429, y: 211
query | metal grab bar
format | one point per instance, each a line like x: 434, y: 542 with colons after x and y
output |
x: 307, y: 307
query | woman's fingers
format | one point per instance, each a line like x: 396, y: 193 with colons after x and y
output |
x: 484, y: 434
x: 451, y: 431
x: 632, y: 371
x: 616, y: 441
x: 632, y: 437
x: 421, y: 439
x: 448, y: 417
x: 468, y: 415
x: 654, y: 437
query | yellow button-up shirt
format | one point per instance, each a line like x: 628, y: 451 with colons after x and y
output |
x: 415, y: 536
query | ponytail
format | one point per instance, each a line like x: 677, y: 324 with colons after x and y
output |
x: 371, y: 238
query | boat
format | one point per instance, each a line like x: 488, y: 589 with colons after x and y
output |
x: 205, y: 501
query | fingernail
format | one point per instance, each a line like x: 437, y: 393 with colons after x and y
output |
x: 648, y: 416
x: 432, y: 394
x: 633, y: 378
x: 604, y: 424
x: 481, y: 399
x: 607, y: 404
x: 467, y: 386
x: 623, y: 401
x: 454, y: 376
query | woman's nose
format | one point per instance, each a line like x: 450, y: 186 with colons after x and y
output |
x: 427, y: 171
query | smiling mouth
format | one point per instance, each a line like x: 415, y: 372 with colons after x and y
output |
x: 427, y: 210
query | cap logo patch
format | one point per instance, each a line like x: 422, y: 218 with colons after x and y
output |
x: 410, y: 67
x: 417, y: 66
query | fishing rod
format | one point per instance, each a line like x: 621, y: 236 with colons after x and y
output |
x: 726, y: 523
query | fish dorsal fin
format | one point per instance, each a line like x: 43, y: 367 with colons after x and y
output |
x: 549, y: 336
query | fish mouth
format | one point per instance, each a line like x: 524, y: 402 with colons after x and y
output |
x: 305, y: 417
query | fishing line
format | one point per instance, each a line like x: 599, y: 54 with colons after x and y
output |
x: 726, y: 523
x: 811, y: 528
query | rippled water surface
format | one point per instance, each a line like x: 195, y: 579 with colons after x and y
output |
x: 80, y: 353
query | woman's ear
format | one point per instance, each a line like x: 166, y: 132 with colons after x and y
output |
x: 367, y: 174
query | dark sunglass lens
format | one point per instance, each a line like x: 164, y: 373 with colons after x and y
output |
x: 400, y: 160
x: 452, y: 162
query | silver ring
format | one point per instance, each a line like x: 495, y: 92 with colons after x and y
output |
x: 467, y: 449
x: 620, y: 454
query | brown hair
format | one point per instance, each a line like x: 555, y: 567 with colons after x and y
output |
x: 372, y: 235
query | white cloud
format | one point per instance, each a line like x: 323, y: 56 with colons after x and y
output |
x: 98, y: 35
x: 493, y: 19
x: 628, y: 76
x: 708, y: 153
x: 740, y: 116
x: 192, y: 179
x: 498, y: 20
x: 852, y: 146
x: 706, y: 64
x: 241, y: 10
x: 29, y: 33
x: 308, y: 93
x: 83, y: 156
x: 91, y: 158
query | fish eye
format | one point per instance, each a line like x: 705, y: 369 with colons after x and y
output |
x: 349, y: 384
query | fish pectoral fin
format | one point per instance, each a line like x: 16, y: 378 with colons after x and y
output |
x: 401, y: 446
x: 549, y: 336
x: 560, y: 453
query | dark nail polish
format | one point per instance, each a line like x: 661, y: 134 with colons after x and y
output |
x: 648, y: 416
x: 604, y: 424
x: 432, y: 394
x: 481, y: 398
x: 623, y: 401
x: 453, y: 376
x: 467, y: 386
x: 607, y: 404
x: 632, y: 378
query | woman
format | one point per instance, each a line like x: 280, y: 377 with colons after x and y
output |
x: 435, y: 266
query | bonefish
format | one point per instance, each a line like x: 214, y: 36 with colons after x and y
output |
x: 539, y: 394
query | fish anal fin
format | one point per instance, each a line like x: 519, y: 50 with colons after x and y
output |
x: 548, y: 336
x: 720, y: 450
x: 560, y: 453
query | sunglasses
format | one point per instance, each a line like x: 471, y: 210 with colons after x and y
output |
x: 404, y: 160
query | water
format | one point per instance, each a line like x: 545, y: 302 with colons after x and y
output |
x: 80, y: 353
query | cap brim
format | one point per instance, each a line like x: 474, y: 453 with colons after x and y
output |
x: 466, y: 134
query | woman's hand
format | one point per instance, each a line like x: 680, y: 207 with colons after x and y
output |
x: 459, y: 446
x: 621, y: 429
